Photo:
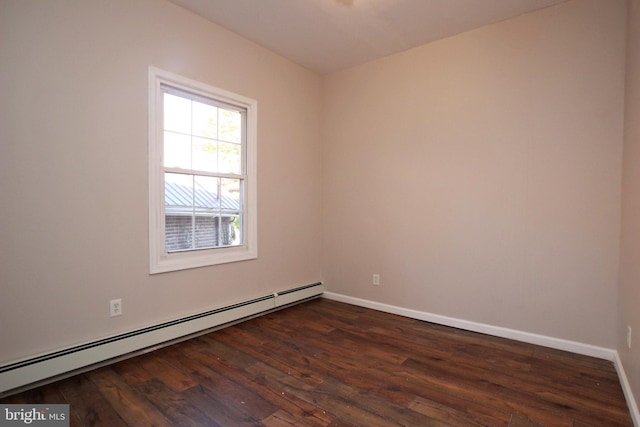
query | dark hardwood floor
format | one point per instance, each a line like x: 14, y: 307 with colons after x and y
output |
x: 324, y: 363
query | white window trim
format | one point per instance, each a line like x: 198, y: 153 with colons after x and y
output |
x: 159, y: 260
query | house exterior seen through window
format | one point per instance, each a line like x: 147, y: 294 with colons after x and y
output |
x: 198, y: 217
x: 202, y: 174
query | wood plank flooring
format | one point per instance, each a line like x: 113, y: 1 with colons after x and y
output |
x: 325, y: 363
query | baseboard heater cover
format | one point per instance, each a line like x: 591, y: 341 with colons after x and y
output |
x: 35, y: 369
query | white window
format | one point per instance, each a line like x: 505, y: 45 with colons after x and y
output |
x: 202, y: 174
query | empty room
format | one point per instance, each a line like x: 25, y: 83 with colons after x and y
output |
x: 320, y: 212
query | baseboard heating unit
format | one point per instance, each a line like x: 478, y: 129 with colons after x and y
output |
x: 19, y: 375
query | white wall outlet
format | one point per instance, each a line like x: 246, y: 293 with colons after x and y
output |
x: 376, y: 279
x: 628, y: 336
x: 115, y: 307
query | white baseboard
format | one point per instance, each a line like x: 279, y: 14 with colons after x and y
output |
x: 557, y: 343
x: 32, y: 371
x: 626, y: 387
x: 560, y: 344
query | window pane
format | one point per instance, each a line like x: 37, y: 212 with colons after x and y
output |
x: 231, y: 194
x: 230, y: 126
x: 178, y: 205
x: 177, y: 114
x: 229, y: 158
x: 205, y: 120
x: 207, y: 220
x: 177, y: 150
x: 205, y: 155
x: 206, y: 194
x: 231, y: 221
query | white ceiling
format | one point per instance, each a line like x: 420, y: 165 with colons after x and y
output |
x: 331, y: 35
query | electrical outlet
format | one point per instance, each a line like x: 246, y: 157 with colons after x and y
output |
x: 376, y: 279
x: 629, y: 336
x: 115, y: 307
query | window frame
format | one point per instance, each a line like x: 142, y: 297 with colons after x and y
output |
x: 160, y: 260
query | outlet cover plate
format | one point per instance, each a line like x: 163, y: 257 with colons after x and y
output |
x: 115, y: 307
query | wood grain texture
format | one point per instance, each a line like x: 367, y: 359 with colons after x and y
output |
x: 326, y: 363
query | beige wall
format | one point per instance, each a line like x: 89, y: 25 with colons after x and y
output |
x: 73, y: 168
x: 630, y: 254
x: 480, y: 175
